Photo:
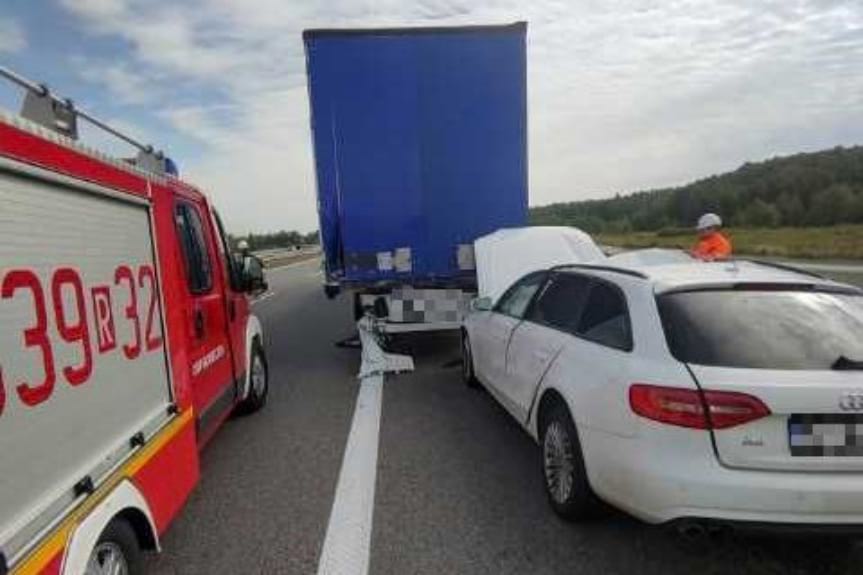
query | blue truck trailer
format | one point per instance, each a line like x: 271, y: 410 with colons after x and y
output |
x: 420, y: 146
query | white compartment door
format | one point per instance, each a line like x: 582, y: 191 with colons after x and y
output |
x: 82, y: 354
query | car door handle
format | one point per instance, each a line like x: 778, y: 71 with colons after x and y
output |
x: 199, y: 323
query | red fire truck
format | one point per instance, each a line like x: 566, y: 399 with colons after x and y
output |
x: 127, y: 339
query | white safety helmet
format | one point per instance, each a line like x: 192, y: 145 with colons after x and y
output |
x: 709, y: 220
x: 243, y: 245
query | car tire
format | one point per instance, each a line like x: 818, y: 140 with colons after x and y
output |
x: 564, y: 474
x: 359, y: 312
x: 116, y: 552
x: 467, y: 371
x: 259, y: 381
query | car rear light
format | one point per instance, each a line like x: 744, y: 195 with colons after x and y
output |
x: 729, y: 408
x: 694, y: 409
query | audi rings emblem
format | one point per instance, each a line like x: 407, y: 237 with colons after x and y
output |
x: 851, y: 402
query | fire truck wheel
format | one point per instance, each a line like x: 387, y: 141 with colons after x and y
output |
x: 259, y: 381
x: 117, y: 551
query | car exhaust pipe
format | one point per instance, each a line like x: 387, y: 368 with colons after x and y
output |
x: 692, y: 531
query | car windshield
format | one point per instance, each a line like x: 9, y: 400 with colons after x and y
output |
x: 764, y: 329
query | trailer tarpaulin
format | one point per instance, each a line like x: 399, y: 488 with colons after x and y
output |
x: 420, y: 145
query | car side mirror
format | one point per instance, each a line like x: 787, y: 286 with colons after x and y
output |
x: 482, y: 304
x: 253, y: 275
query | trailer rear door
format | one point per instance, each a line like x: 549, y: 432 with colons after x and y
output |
x: 420, y: 144
x: 83, y: 367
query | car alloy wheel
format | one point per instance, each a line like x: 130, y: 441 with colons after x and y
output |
x: 107, y: 559
x: 467, y: 371
x: 465, y: 359
x: 558, y: 462
x: 259, y: 375
x: 259, y: 382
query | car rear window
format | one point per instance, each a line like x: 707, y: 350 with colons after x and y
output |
x: 763, y: 329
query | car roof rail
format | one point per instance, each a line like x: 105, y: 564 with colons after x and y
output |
x: 601, y: 268
x: 61, y: 115
x: 784, y: 267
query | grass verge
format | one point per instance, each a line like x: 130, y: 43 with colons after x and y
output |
x: 837, y: 242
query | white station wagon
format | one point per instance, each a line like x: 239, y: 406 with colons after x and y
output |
x: 683, y: 390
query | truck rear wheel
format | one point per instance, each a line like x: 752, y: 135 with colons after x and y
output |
x: 259, y: 381
x: 117, y: 552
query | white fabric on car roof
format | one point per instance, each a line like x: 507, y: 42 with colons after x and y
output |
x: 650, y: 257
x: 508, y: 254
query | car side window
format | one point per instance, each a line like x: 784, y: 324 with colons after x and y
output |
x: 230, y: 261
x: 190, y: 229
x: 561, y: 301
x: 516, y: 299
x: 605, y: 319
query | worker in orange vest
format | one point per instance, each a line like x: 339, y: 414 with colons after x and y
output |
x: 712, y: 244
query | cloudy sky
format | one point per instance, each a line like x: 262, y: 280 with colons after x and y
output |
x: 624, y: 95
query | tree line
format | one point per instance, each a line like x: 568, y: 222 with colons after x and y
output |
x: 280, y: 239
x: 809, y: 189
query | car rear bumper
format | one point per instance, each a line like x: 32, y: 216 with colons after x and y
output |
x: 709, y: 525
x: 666, y: 473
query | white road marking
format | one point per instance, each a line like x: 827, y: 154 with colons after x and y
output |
x: 292, y: 265
x: 263, y: 296
x: 347, y: 545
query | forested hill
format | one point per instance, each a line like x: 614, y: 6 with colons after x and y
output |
x: 812, y: 189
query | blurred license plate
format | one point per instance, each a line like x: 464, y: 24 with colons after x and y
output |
x: 826, y: 435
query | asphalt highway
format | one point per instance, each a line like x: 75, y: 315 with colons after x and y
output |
x: 458, y: 486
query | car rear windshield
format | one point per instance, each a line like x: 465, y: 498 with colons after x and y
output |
x: 763, y: 329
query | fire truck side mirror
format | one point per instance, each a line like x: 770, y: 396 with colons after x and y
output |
x: 253, y: 274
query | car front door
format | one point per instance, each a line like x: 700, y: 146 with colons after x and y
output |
x: 492, y: 336
x: 597, y: 366
x: 208, y: 342
x: 537, y: 341
x: 236, y: 300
